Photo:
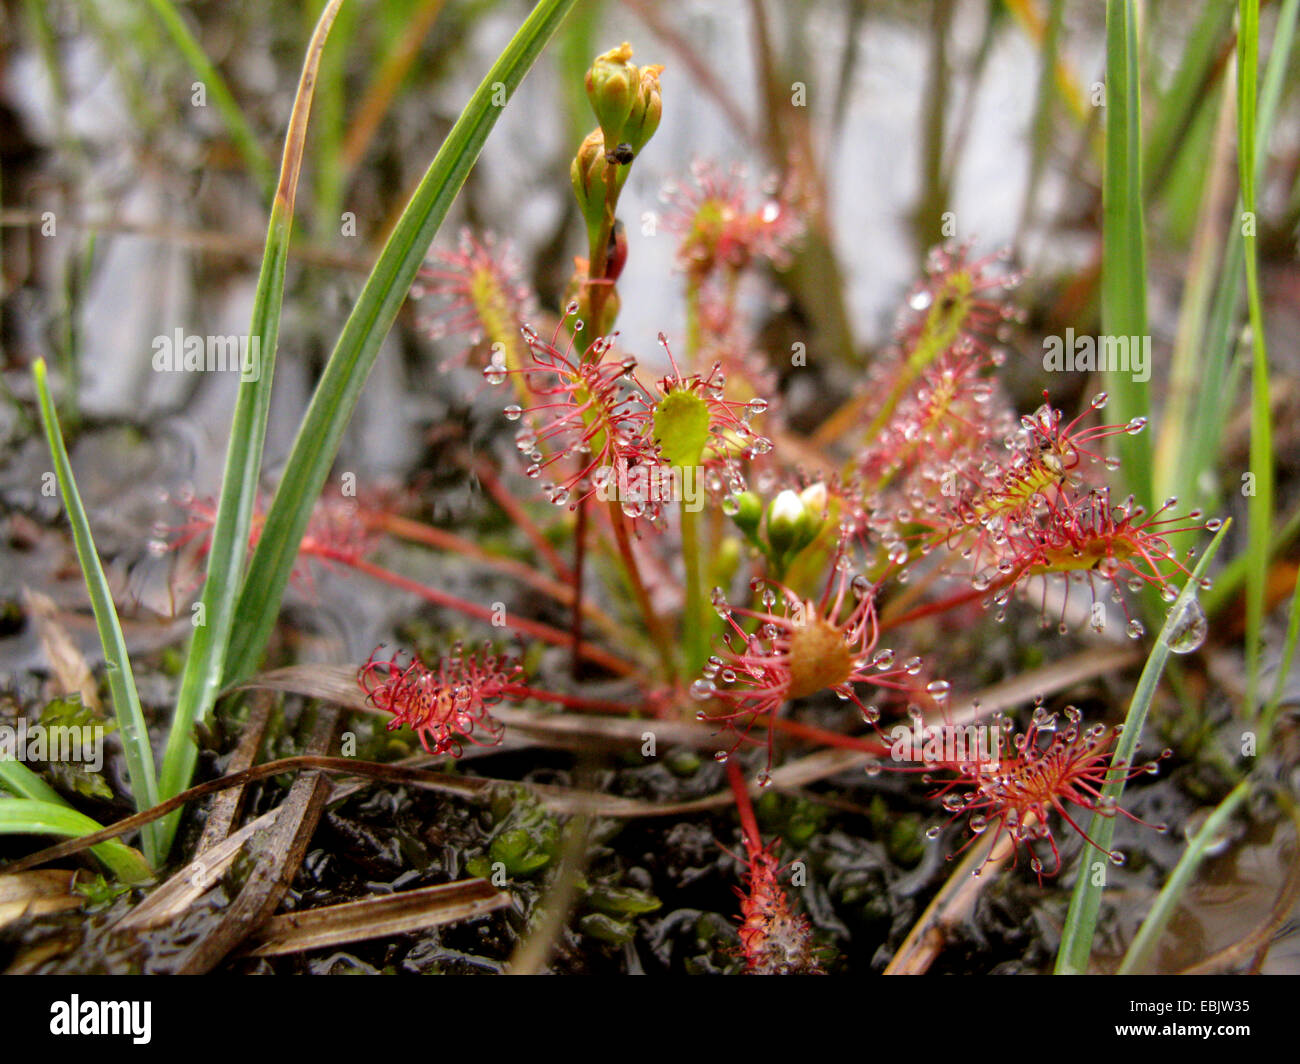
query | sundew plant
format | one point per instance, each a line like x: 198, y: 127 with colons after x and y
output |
x: 735, y: 644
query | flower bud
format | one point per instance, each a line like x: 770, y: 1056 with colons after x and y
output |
x: 749, y: 513
x: 613, y: 83
x: 786, y: 523
x: 814, y: 500
x: 588, y: 175
x: 647, y: 109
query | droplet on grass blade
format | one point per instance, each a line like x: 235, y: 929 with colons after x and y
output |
x: 1188, y: 628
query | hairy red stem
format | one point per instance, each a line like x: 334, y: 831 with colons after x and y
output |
x: 744, y: 807
x: 579, y: 550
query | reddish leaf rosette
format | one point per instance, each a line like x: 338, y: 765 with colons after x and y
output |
x: 1035, y: 775
x: 444, y: 704
x: 809, y: 646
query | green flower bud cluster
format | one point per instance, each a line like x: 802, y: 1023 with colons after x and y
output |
x: 628, y: 106
x: 625, y: 98
x: 788, y: 524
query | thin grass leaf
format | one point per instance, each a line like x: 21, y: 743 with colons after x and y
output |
x: 1123, y: 265
x: 22, y: 782
x: 1081, y: 920
x: 354, y: 355
x: 576, y: 44
x: 1284, y: 666
x: 1216, y: 391
x: 240, y: 132
x: 1189, y: 89
x: 1044, y: 104
x: 1233, y: 575
x: 121, y: 681
x: 1139, y: 950
x: 1260, y: 507
x: 27, y: 816
x: 25, y: 785
x: 1178, y: 462
x: 206, y: 660
x: 1213, y: 394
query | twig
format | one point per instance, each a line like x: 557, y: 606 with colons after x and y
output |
x: 377, y: 917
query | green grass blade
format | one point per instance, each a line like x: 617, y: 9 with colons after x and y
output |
x: 1182, y: 452
x: 1215, y: 394
x: 1284, y: 667
x: 1275, y: 78
x: 354, y: 355
x: 1139, y: 950
x: 1260, y: 507
x: 121, y: 681
x: 240, y: 132
x: 206, y: 661
x: 577, y: 42
x: 1233, y: 575
x: 1045, y: 101
x: 1123, y: 265
x: 22, y: 782
x: 1198, y: 69
x: 1081, y: 920
x: 1254, y: 126
x: 25, y: 816
x: 33, y: 793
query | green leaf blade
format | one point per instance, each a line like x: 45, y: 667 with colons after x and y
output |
x: 121, y: 681
x: 345, y: 374
x: 26, y: 816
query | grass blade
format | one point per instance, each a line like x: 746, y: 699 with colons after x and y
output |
x: 354, y: 355
x: 239, y: 130
x: 28, y: 788
x: 1198, y: 69
x: 1260, y: 507
x: 26, y: 816
x: 1123, y: 265
x: 1081, y: 920
x: 1228, y: 583
x: 22, y: 782
x: 121, y: 681
x: 1284, y: 667
x: 1186, y: 447
x: 206, y: 660
x: 1217, y: 389
x: 1139, y: 950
